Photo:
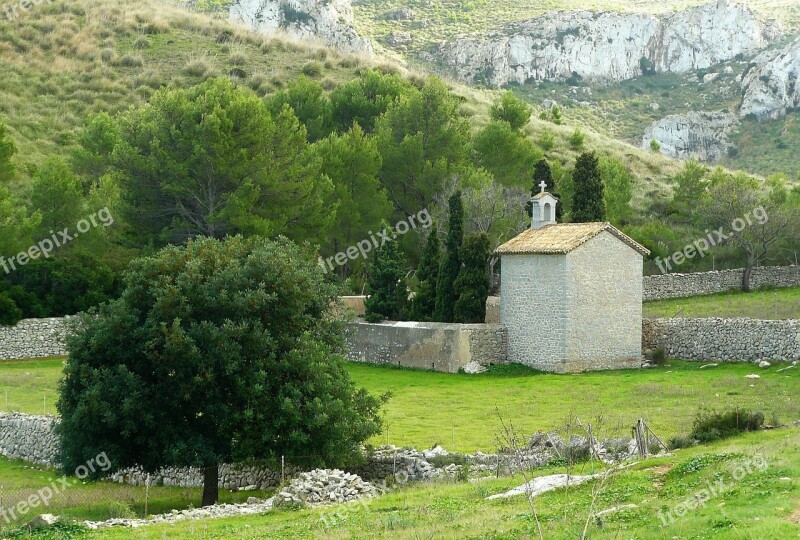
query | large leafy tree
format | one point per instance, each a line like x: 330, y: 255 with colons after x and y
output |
x: 451, y: 263
x: 352, y: 162
x: 506, y: 153
x: 386, y: 282
x: 57, y: 194
x: 309, y: 103
x: 364, y: 99
x: 754, y: 220
x: 423, y: 140
x: 588, y: 202
x: 511, y: 109
x: 472, y: 283
x: 424, y: 302
x: 618, y: 190
x: 217, y: 351
x: 212, y: 161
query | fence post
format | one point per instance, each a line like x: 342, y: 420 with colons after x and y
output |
x: 283, y: 469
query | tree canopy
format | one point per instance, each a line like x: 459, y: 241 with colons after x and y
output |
x: 215, y: 352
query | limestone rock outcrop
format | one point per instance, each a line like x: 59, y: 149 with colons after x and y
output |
x: 770, y: 86
x: 329, y: 21
x: 608, y: 46
x: 698, y: 135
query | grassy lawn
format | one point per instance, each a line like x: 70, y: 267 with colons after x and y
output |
x: 768, y: 304
x: 94, y: 500
x: 461, y: 411
x: 30, y: 386
x: 762, y: 503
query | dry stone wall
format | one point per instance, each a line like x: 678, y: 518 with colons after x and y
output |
x: 728, y: 340
x: 680, y: 285
x: 29, y: 438
x: 33, y: 338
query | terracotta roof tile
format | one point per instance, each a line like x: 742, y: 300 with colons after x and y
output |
x: 562, y: 238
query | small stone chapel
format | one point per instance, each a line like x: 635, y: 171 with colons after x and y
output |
x: 571, y: 294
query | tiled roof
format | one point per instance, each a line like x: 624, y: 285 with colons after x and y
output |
x: 543, y: 194
x: 562, y: 238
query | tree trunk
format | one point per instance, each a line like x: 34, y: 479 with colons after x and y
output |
x: 746, y: 277
x: 210, y: 485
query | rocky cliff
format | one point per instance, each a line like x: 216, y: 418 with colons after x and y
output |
x: 606, y: 46
x: 329, y: 21
x: 699, y: 135
x: 770, y: 86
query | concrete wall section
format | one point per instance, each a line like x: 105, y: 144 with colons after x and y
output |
x: 437, y: 346
x: 532, y: 307
x: 735, y: 340
x: 604, y: 299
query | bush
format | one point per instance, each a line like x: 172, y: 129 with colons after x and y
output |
x: 547, y: 141
x: 312, y: 68
x: 681, y: 441
x: 655, y: 146
x: 577, y: 139
x: 10, y: 314
x: 710, y: 426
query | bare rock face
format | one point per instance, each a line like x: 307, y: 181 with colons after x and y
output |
x: 606, y: 46
x: 770, y: 88
x: 329, y: 21
x: 698, y: 135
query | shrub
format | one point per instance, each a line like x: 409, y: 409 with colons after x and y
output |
x: 238, y: 58
x: 120, y: 510
x: 710, y: 426
x: 681, y: 441
x: 141, y: 43
x: 312, y: 68
x: 655, y: 146
x: 130, y: 60
x: 577, y: 138
x: 10, y: 314
x: 547, y: 141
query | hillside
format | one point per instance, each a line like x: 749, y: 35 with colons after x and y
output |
x: 66, y: 61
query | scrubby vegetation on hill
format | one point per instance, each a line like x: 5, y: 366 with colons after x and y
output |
x: 95, y: 90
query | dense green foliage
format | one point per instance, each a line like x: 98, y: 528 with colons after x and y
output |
x: 588, y: 203
x: 511, y: 109
x: 446, y: 295
x: 423, y: 305
x: 386, y: 281
x: 216, y: 351
x: 472, y: 284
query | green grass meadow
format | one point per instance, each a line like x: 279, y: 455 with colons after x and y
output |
x: 462, y: 412
x: 769, y: 304
x: 764, y: 503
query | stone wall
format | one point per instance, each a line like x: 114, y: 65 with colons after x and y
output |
x: 28, y: 437
x: 437, y: 346
x: 33, y: 338
x: 748, y: 340
x: 699, y: 283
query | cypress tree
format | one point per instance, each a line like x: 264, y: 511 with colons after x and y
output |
x: 451, y: 264
x: 424, y: 303
x: 386, y: 283
x: 472, y: 284
x: 588, y: 202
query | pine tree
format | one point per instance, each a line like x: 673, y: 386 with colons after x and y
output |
x: 451, y: 264
x: 588, y: 202
x: 424, y: 304
x: 472, y: 283
x: 386, y: 283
